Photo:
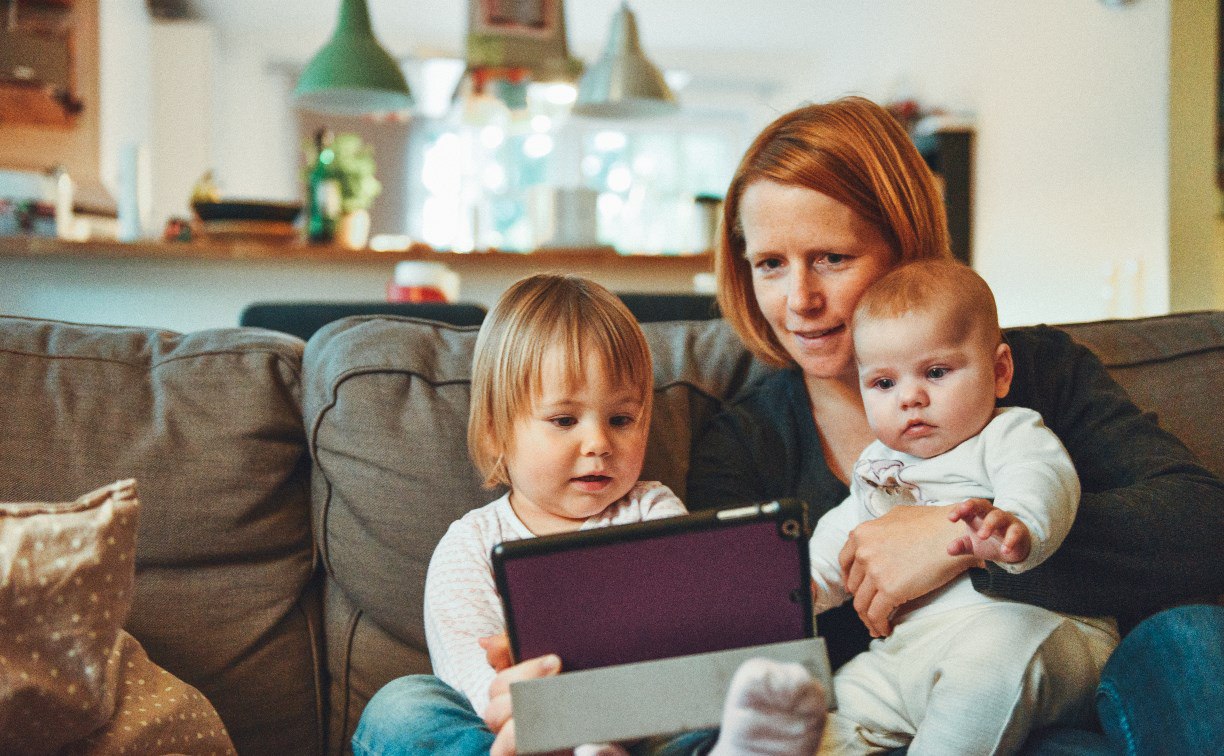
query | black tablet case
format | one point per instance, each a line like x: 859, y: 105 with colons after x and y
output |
x: 707, y: 581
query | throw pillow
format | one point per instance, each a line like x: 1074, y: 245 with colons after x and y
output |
x: 70, y: 678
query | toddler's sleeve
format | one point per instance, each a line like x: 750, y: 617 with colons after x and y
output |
x: 462, y: 606
x: 657, y: 501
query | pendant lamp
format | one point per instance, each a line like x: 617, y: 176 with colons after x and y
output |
x: 623, y: 83
x: 352, y: 74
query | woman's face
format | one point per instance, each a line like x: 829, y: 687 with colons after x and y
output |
x: 812, y: 257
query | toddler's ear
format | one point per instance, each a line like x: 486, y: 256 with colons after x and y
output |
x: 1004, y: 369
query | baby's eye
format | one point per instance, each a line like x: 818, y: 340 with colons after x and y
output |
x: 936, y: 373
x: 622, y: 421
x: 883, y: 384
x: 563, y: 421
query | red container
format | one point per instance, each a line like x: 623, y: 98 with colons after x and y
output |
x: 419, y: 281
x: 397, y: 293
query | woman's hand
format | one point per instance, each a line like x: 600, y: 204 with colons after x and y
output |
x: 899, y: 557
x: 499, y: 715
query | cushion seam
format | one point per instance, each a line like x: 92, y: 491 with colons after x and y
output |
x: 292, y: 363
x: 348, y: 664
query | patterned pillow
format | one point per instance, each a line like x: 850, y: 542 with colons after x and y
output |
x: 70, y: 678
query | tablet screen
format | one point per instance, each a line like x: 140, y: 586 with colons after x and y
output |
x: 707, y: 581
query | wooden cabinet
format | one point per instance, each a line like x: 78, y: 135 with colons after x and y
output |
x: 949, y: 152
x: 38, y: 65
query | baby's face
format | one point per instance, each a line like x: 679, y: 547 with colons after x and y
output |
x: 925, y: 387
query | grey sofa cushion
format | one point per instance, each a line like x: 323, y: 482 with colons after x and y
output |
x: 386, y: 408
x: 209, y: 425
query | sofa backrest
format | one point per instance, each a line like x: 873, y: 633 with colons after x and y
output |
x: 1172, y: 365
x: 209, y: 425
x: 386, y: 406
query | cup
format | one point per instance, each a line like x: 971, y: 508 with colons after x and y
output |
x: 417, y: 281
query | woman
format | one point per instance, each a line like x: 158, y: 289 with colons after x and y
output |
x: 826, y: 200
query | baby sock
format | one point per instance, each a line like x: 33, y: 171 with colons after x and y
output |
x: 771, y: 708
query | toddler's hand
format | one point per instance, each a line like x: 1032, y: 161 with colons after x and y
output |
x: 497, y: 650
x: 994, y: 534
x: 499, y: 716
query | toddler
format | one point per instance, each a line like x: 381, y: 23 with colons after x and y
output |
x: 960, y: 672
x: 562, y: 385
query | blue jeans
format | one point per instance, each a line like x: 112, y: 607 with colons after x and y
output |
x: 420, y: 714
x: 1162, y: 691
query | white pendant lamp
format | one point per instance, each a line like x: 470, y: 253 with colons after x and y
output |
x: 623, y: 83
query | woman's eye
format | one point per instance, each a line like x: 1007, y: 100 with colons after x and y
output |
x: 936, y: 373
x: 564, y: 421
x: 767, y: 264
x: 835, y: 259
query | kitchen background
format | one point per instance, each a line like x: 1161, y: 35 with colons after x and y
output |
x: 1094, y: 188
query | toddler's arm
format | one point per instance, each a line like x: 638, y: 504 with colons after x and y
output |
x: 994, y: 534
x: 461, y: 607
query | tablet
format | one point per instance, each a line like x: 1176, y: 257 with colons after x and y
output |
x: 706, y: 581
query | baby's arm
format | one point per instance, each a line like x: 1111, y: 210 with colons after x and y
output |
x: 994, y: 534
x: 1033, y: 480
x: 461, y: 607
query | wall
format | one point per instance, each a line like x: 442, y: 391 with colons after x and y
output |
x: 1078, y: 215
x: 1071, y: 102
x: 1196, y: 251
x: 126, y: 86
x: 182, y: 104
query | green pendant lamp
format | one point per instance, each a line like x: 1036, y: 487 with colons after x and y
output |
x: 623, y: 83
x: 352, y: 74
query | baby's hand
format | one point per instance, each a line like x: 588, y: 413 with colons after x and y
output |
x: 994, y: 534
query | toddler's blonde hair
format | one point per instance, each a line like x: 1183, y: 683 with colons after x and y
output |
x: 535, y: 316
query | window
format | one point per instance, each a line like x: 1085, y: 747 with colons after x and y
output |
x: 485, y: 176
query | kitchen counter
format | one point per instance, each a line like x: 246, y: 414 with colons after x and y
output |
x: 38, y: 246
x: 192, y: 285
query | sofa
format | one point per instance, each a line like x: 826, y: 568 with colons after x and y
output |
x: 292, y: 493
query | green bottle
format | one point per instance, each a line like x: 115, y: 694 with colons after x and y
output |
x: 323, y: 195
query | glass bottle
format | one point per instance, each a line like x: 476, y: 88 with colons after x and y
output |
x: 323, y: 192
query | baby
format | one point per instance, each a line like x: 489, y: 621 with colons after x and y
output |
x: 961, y: 672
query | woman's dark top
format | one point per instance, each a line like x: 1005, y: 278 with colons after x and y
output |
x: 1147, y: 534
